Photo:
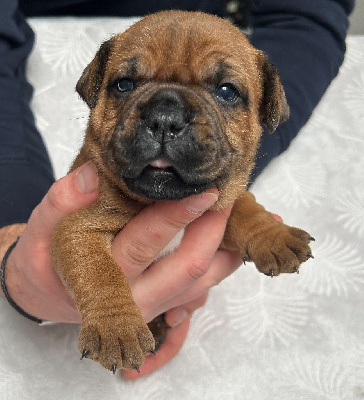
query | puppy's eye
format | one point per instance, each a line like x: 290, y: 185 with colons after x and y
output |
x: 228, y: 92
x: 124, y: 85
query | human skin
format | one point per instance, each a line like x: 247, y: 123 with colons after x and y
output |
x: 177, y: 284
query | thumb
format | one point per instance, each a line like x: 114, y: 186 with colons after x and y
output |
x: 76, y: 190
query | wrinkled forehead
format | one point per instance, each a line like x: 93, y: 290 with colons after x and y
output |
x: 182, y: 51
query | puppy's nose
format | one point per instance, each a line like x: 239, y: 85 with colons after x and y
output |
x: 165, y: 116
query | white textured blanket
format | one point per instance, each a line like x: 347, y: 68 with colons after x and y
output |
x: 289, y: 338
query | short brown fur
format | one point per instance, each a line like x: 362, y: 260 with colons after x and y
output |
x: 175, y: 51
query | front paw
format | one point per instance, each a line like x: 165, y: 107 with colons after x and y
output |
x: 116, y: 342
x: 279, y: 248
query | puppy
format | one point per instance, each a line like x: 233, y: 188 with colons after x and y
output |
x: 176, y: 106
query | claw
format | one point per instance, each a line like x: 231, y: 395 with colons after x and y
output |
x: 295, y: 269
x: 85, y: 353
x: 113, y: 369
x: 270, y: 273
x: 245, y: 259
x: 311, y: 239
x: 309, y: 255
x: 153, y: 352
x: 137, y: 369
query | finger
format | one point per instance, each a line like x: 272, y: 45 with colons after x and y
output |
x: 174, y: 340
x: 224, y: 264
x: 176, y: 315
x: 72, y: 192
x: 172, y: 274
x: 140, y: 242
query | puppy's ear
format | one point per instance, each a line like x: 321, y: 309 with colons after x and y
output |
x: 88, y: 86
x: 274, y: 108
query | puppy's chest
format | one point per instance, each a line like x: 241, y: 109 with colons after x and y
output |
x: 172, y: 245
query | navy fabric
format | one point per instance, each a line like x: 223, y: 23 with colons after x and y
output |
x: 305, y: 39
x: 120, y: 8
x: 306, y: 42
x: 25, y: 170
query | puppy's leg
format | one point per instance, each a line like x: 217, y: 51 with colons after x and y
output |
x: 273, y: 246
x: 113, y: 331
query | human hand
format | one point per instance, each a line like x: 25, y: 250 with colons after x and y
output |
x: 179, y: 282
x: 181, y: 278
x: 30, y: 278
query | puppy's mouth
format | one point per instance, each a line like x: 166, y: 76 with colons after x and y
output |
x: 160, y: 163
x: 160, y: 180
x: 160, y: 170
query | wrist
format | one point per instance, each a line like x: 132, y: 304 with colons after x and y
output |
x: 4, y: 286
x: 8, y: 235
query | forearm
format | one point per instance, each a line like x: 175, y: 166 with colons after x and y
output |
x: 306, y: 41
x: 25, y: 170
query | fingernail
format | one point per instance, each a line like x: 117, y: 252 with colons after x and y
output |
x: 178, y: 316
x: 202, y: 202
x: 87, y: 179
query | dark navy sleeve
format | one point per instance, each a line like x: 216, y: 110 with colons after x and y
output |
x: 306, y: 41
x: 123, y: 8
x: 25, y: 169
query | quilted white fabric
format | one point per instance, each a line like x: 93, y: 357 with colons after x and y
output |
x: 295, y: 337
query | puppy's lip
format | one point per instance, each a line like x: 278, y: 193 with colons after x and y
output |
x: 160, y: 163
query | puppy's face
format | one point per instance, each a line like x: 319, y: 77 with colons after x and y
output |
x: 177, y: 103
